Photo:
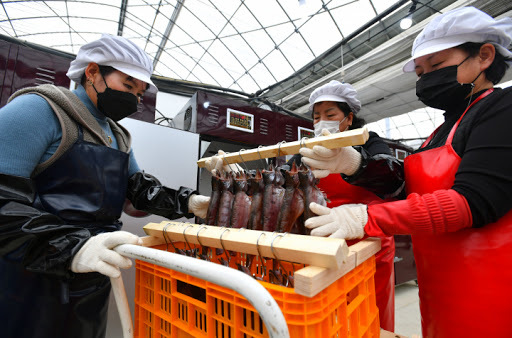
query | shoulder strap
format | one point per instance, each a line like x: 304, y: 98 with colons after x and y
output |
x: 122, y: 135
x: 71, y: 112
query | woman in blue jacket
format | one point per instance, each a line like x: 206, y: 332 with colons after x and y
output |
x: 66, y: 170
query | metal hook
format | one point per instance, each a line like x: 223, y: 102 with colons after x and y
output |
x: 243, y: 161
x: 165, y: 236
x: 186, y: 241
x: 203, y: 226
x: 303, y: 142
x: 272, y: 245
x: 229, y: 165
x: 167, y: 244
x: 261, y: 159
x: 222, y: 245
x: 204, y: 251
x: 258, y: 245
x: 279, y: 148
x: 278, y: 260
x: 260, y: 256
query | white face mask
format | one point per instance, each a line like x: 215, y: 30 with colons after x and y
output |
x: 332, y: 126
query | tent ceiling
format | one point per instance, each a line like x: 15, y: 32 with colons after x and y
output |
x: 243, y: 45
x: 384, y: 90
x: 274, y: 50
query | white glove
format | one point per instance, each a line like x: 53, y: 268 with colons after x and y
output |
x: 323, y: 161
x: 217, y: 162
x: 97, y: 254
x: 198, y: 205
x: 346, y: 221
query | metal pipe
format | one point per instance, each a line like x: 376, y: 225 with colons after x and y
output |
x: 122, y: 306
x: 227, y: 277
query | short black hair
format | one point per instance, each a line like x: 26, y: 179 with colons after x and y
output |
x: 357, y: 122
x: 498, y: 67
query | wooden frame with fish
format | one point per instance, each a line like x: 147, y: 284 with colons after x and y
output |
x: 327, y: 258
x: 352, y: 137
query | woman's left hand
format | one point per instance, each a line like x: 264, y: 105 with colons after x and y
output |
x: 323, y: 161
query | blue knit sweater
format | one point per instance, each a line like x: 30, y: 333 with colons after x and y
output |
x: 30, y: 133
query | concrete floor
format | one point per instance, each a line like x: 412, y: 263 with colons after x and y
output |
x: 407, y: 311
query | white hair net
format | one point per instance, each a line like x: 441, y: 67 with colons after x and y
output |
x: 337, y: 92
x: 458, y: 26
x: 114, y: 51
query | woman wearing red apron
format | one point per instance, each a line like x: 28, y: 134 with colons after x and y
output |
x: 369, y: 174
x: 459, y: 183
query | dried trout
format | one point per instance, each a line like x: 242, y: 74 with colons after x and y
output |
x: 308, y: 185
x: 273, y: 195
x: 293, y: 202
x: 241, y: 202
x: 255, y: 191
x: 213, y: 207
x: 226, y: 201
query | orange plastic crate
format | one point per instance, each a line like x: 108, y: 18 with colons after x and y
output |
x: 173, y: 304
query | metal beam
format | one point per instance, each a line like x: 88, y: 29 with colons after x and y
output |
x: 122, y: 16
x: 168, y: 30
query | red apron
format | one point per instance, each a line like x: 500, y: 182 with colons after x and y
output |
x: 464, y: 277
x: 340, y: 192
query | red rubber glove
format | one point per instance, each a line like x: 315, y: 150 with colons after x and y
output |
x: 440, y: 212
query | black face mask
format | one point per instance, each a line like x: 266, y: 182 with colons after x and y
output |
x: 116, y: 104
x: 440, y: 88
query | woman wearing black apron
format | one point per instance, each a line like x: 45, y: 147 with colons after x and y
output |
x: 66, y: 171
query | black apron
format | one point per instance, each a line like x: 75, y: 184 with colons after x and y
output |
x: 86, y: 187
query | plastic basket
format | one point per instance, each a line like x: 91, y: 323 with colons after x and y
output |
x: 173, y: 304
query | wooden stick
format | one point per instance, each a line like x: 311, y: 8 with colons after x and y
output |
x: 347, y: 138
x: 311, y: 250
x: 310, y: 280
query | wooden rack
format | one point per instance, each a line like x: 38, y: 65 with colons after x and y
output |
x: 347, y: 138
x: 327, y: 258
x: 317, y: 251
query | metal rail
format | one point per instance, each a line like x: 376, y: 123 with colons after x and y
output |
x: 238, y: 281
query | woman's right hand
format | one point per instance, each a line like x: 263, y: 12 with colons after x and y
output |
x: 96, y: 255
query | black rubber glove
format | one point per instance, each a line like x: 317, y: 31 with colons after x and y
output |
x: 147, y: 194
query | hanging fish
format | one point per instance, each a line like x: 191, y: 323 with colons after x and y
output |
x: 241, y: 202
x: 273, y: 195
x: 293, y: 201
x: 255, y: 191
x: 308, y: 185
x: 213, y: 207
x: 226, y: 201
